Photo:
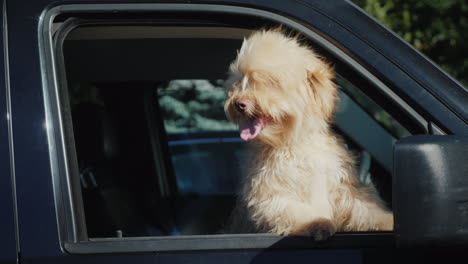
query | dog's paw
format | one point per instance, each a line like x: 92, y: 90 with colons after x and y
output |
x: 319, y: 229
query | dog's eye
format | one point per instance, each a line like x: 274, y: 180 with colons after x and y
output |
x: 236, y: 84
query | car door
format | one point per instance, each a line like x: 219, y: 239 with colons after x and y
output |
x: 51, y: 191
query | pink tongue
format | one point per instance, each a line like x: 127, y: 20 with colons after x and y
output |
x: 251, y: 128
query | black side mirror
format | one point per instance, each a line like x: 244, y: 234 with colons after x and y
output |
x: 430, y: 191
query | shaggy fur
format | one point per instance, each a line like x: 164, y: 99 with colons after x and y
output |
x: 300, y: 179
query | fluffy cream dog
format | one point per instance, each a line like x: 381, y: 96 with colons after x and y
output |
x: 300, y: 179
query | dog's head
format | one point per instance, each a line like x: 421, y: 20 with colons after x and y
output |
x: 278, y: 87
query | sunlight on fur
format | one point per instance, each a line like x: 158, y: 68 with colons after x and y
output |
x: 300, y: 179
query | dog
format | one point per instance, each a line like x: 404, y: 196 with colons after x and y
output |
x: 300, y: 179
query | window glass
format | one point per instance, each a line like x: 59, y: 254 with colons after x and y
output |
x: 373, y: 109
x: 190, y: 106
x: 205, y: 148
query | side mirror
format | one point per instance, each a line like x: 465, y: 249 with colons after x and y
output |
x: 430, y: 191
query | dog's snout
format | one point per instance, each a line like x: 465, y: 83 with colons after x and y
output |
x: 241, y: 106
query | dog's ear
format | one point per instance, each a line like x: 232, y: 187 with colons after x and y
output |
x: 324, y: 90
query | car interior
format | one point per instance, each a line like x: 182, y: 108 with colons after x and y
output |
x: 139, y: 179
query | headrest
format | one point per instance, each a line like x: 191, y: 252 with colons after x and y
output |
x: 95, y: 134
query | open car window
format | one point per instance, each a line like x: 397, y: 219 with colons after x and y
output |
x: 149, y: 149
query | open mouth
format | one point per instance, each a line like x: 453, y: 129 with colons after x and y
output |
x: 250, y: 128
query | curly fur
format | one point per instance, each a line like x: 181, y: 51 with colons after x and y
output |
x: 300, y: 179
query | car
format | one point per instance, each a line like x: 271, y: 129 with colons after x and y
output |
x: 115, y: 147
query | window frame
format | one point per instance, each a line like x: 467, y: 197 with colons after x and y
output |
x: 73, y: 235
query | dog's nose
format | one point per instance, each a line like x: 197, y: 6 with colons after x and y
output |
x: 241, y: 106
